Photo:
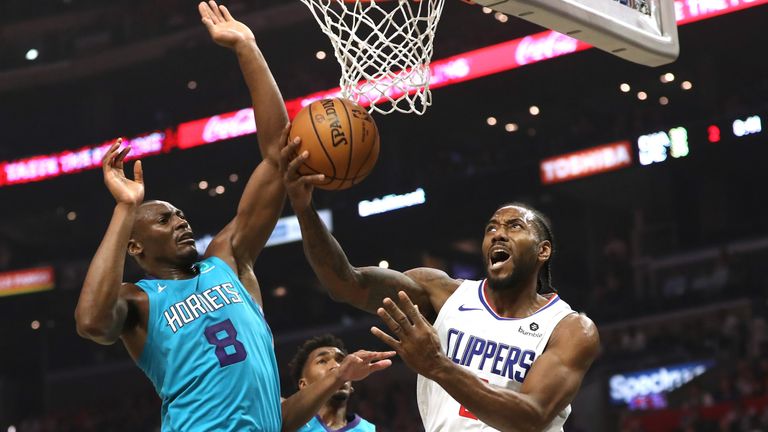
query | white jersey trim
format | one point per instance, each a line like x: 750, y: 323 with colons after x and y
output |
x: 484, y: 300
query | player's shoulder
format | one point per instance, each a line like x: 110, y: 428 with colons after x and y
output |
x: 433, y: 277
x: 131, y: 291
x: 577, y: 334
x: 437, y: 284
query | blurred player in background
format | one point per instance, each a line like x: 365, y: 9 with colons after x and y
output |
x: 314, y: 360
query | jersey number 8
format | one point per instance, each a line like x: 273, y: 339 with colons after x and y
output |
x: 236, y: 352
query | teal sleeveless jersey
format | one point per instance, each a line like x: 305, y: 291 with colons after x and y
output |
x: 356, y: 424
x: 210, y: 353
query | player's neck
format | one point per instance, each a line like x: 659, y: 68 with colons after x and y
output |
x: 168, y: 272
x: 514, y: 301
x: 334, y: 414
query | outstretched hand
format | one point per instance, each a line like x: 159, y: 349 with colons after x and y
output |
x: 299, y: 187
x: 418, y: 344
x: 225, y: 30
x: 124, y: 190
x: 358, y: 365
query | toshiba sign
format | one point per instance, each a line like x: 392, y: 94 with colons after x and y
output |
x: 26, y: 281
x: 587, y: 162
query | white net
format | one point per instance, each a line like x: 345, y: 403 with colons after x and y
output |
x: 384, y: 49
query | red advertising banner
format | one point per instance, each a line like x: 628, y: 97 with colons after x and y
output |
x: 586, y: 162
x: 71, y: 161
x: 217, y: 128
x: 26, y: 281
x: 463, y: 67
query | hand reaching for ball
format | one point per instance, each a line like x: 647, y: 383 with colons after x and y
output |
x: 342, y: 140
x: 299, y: 187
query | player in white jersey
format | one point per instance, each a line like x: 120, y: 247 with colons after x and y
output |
x: 505, y: 353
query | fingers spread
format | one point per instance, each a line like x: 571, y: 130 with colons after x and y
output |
x: 373, y: 356
x: 381, y: 365
x: 408, y: 307
x: 389, y: 321
x: 397, y: 314
x: 387, y: 339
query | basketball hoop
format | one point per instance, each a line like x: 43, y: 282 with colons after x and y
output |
x: 384, y: 49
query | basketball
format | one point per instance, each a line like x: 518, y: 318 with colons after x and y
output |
x: 342, y: 140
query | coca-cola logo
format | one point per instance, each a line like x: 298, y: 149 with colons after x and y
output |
x: 536, y: 48
x: 220, y: 128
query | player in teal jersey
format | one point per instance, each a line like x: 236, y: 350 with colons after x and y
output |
x: 316, y: 358
x: 197, y: 328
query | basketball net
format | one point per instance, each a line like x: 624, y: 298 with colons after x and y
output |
x: 384, y: 49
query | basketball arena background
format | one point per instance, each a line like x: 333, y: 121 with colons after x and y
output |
x: 654, y: 178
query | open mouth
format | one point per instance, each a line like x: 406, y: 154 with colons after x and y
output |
x: 498, y: 257
x: 186, y: 238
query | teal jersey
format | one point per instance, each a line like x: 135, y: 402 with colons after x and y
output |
x: 210, y: 353
x: 355, y: 424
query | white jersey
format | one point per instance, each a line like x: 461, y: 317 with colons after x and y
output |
x: 498, y: 350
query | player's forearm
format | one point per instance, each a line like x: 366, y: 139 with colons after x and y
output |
x: 97, y: 314
x: 258, y: 211
x: 302, y: 405
x: 268, y: 105
x: 326, y: 257
x: 497, y: 407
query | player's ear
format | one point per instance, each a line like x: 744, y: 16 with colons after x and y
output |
x: 303, y: 383
x: 545, y: 250
x: 135, y: 247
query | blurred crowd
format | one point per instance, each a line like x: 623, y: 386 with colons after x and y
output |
x: 730, y: 397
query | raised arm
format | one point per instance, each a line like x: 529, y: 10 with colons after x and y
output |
x: 362, y: 287
x: 550, y: 385
x: 268, y: 105
x: 302, y: 405
x: 101, y: 309
x: 262, y: 200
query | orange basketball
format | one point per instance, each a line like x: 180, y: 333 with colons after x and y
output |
x: 342, y: 140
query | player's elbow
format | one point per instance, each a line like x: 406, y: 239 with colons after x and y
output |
x: 88, y: 327
x: 530, y: 425
x: 538, y: 420
x: 347, y: 289
x: 95, y: 333
x: 341, y: 292
x: 533, y: 419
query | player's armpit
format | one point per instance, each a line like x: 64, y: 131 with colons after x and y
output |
x: 221, y: 247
